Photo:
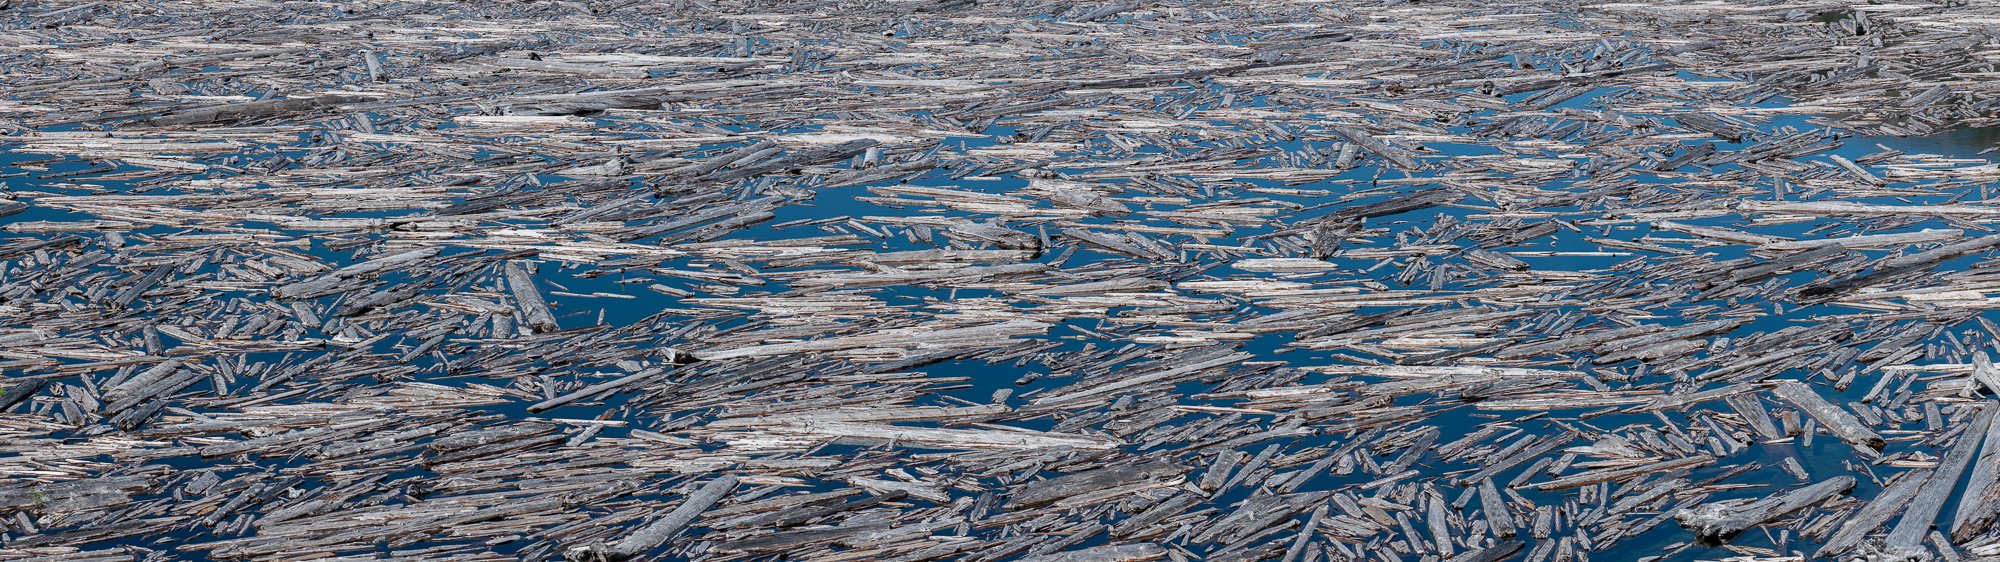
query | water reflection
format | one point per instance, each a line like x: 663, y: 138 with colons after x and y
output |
x: 1955, y: 142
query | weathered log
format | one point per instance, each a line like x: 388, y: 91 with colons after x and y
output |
x: 1401, y: 158
x: 1134, y: 552
x: 1051, y: 490
x: 1842, y: 423
x: 660, y: 530
x: 1979, y: 506
x: 535, y: 312
x: 1724, y: 520
x: 1922, y: 514
x: 1493, y: 553
x: 975, y: 336
x: 255, y: 110
x: 960, y: 439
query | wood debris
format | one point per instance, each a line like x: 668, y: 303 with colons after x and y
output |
x: 998, y: 280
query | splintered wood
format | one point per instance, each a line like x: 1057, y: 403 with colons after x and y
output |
x: 997, y: 280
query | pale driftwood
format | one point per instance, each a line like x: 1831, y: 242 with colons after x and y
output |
x: 659, y: 531
x: 865, y: 415
x: 1051, y: 490
x: 959, y: 439
x: 535, y: 311
x: 1399, y: 157
x: 1135, y: 552
x: 1844, y: 208
x: 1870, y: 518
x: 897, y: 338
x: 1724, y: 520
x: 1979, y: 505
x: 257, y: 109
x: 1922, y: 514
x: 1493, y: 553
x: 1836, y: 420
x: 1870, y: 240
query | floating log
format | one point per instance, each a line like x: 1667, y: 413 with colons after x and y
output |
x: 654, y: 534
x: 1840, y: 422
x: 1722, y: 521
x: 535, y: 312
